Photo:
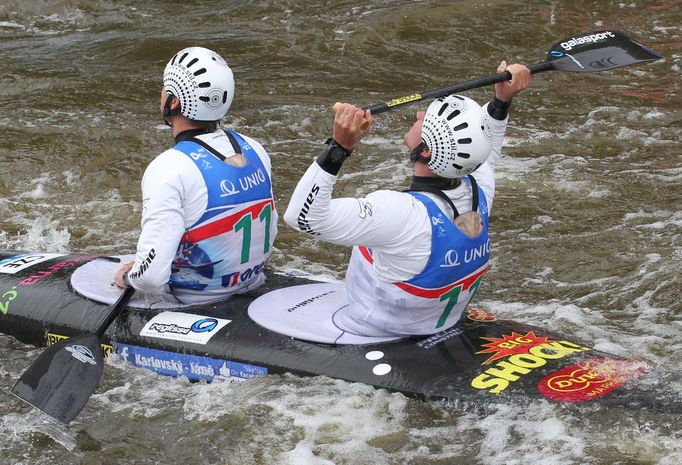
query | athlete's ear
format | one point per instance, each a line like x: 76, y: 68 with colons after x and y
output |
x: 426, y: 153
x: 175, y: 103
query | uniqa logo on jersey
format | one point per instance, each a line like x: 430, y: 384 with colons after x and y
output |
x: 452, y: 257
x: 227, y: 188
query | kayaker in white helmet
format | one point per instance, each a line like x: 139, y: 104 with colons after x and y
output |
x: 208, y: 214
x: 419, y: 255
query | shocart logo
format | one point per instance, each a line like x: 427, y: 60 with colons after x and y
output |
x: 201, y: 153
x: 575, y: 41
x: 590, y: 379
x: 183, y: 327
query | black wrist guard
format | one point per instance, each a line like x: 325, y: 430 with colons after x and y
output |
x: 332, y: 157
x: 498, y: 109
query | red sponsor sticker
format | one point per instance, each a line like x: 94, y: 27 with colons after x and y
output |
x: 477, y: 314
x: 505, y: 346
x: 590, y: 379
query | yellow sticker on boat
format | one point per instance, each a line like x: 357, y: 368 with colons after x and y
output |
x: 53, y: 338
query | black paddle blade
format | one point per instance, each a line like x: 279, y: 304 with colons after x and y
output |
x: 63, y: 377
x: 598, y: 51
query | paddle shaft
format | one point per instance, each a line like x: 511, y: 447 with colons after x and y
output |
x: 454, y: 88
x: 448, y: 90
x: 115, y: 309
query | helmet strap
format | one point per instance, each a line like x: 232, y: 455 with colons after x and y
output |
x: 167, y: 111
x: 416, y: 154
x: 435, y: 185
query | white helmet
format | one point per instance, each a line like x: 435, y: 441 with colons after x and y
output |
x: 458, y: 132
x: 202, y: 81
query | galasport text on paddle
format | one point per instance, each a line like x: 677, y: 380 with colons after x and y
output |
x: 589, y: 52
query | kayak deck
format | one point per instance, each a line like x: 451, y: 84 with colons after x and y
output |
x: 482, y: 360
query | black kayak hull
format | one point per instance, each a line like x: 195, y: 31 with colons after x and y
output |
x: 483, y: 360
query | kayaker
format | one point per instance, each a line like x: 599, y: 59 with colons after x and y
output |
x: 419, y: 255
x: 208, y: 214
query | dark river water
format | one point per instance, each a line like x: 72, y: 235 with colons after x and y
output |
x: 586, y: 229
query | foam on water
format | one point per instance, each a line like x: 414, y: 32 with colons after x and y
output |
x: 317, y: 417
x: 15, y: 427
x: 41, y: 234
x: 321, y: 421
x: 604, y: 146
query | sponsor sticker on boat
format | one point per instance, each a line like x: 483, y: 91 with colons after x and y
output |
x: 192, y: 366
x: 517, y: 355
x: 478, y: 314
x: 439, y: 337
x: 52, y: 339
x: 590, y: 379
x: 12, y: 265
x: 184, y: 327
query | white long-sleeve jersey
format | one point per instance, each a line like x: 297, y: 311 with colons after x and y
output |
x: 393, y: 224
x: 174, y: 197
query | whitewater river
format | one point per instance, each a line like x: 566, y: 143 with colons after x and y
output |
x: 586, y: 226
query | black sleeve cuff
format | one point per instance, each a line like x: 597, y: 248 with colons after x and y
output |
x: 498, y: 109
x: 332, y: 157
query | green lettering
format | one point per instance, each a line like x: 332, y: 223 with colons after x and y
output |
x: 452, y: 295
x: 245, y: 225
x: 265, y: 215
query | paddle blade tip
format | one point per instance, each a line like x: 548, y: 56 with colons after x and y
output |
x: 63, y: 377
x: 26, y: 394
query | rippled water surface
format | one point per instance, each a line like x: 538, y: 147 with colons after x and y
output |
x: 586, y: 226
